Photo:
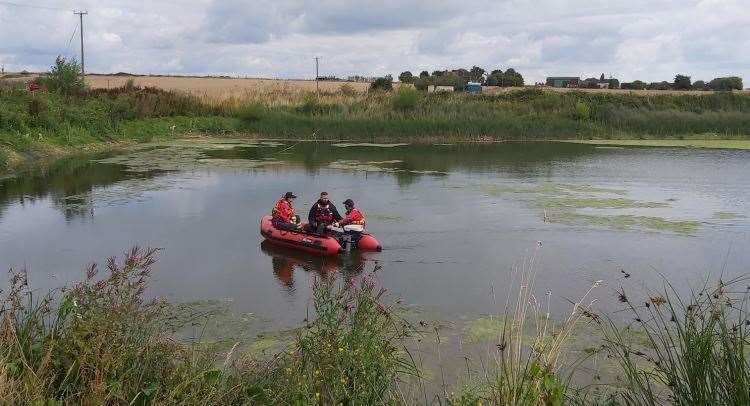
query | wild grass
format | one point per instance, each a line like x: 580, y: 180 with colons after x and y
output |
x: 352, y: 354
x: 697, y: 347
x: 530, y: 350
x: 102, y: 342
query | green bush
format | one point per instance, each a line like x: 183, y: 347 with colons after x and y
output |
x: 352, y: 353
x: 382, y: 84
x: 405, y: 99
x: 64, y: 77
x: 582, y: 111
x: 250, y: 113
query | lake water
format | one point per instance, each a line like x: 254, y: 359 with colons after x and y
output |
x: 453, y: 220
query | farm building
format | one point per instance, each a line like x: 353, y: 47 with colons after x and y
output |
x: 436, y: 88
x: 563, y: 81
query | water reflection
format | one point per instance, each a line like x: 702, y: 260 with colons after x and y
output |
x: 416, y: 160
x: 285, y: 261
x: 67, y: 183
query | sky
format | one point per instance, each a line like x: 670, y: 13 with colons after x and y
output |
x: 650, y: 40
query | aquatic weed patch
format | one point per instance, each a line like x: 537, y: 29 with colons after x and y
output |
x: 558, y: 203
x: 485, y: 329
x: 725, y: 215
x: 572, y: 204
x: 185, y: 156
x: 367, y: 144
x: 626, y: 222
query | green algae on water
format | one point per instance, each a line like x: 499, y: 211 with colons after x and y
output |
x: 367, y: 144
x: 484, y: 329
x: 387, y: 218
x: 724, y: 215
x: 593, y: 203
x: 554, y: 189
x: 626, y: 222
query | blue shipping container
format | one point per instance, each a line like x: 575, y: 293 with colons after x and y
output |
x: 473, y: 87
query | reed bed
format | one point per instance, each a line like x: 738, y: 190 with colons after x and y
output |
x: 697, y: 347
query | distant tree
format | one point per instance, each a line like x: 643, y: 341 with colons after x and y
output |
x: 635, y: 85
x: 725, y: 84
x: 382, y: 84
x: 601, y: 78
x: 64, y: 77
x: 422, y: 82
x: 682, y: 82
x: 496, y: 78
x: 663, y: 85
x: 590, y: 83
x: 462, y: 73
x: 476, y: 74
x: 437, y: 73
x: 406, y: 77
x: 614, y: 83
x: 512, y: 78
x: 700, y: 85
x: 424, y: 74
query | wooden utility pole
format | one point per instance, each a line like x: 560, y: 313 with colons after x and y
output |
x: 317, y: 89
x: 83, y: 69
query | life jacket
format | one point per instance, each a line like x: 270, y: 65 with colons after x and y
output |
x: 283, y: 211
x: 354, y: 216
x: 323, y: 214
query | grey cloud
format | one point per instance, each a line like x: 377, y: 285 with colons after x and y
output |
x: 643, y: 39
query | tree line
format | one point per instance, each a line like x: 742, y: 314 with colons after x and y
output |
x: 461, y: 76
x: 684, y: 82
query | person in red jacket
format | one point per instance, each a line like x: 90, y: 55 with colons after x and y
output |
x: 283, y: 213
x: 354, y: 219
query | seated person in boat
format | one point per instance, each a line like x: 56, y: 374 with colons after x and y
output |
x: 353, y: 221
x: 322, y: 214
x: 283, y: 214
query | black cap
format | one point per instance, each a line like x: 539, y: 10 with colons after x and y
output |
x: 349, y: 202
x: 289, y: 195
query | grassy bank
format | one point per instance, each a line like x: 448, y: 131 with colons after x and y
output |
x: 34, y: 125
x: 101, y: 342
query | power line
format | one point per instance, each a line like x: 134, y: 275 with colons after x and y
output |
x: 67, y: 47
x: 8, y: 3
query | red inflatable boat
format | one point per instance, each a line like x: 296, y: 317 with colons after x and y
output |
x: 313, y: 243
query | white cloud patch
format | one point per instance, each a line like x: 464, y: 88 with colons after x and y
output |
x: 635, y: 39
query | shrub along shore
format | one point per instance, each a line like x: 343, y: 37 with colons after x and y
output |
x: 43, y: 123
x: 101, y: 341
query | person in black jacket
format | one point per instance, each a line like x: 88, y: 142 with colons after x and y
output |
x: 322, y: 214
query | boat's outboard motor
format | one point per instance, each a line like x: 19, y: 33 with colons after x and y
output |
x: 349, y: 240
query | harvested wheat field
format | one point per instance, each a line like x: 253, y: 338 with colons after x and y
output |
x: 221, y: 87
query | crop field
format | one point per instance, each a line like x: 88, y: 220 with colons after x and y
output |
x: 223, y: 88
